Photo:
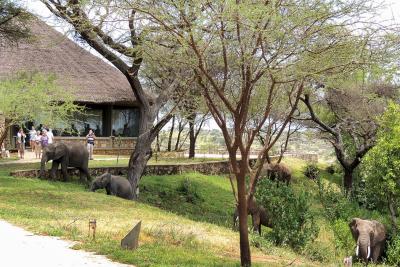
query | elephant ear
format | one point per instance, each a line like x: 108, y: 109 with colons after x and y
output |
x: 60, y: 150
x: 353, y: 227
x: 105, y: 178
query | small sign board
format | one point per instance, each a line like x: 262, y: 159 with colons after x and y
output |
x: 131, y: 240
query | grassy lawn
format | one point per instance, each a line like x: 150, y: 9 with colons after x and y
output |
x: 186, y: 219
x: 177, y: 229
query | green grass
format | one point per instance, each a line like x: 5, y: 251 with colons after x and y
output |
x: 163, y: 192
x: 175, y: 232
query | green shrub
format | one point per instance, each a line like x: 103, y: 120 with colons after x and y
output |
x: 336, y: 205
x: 393, y: 252
x: 317, y: 251
x: 189, y: 191
x: 260, y: 242
x: 343, y: 239
x: 331, y: 169
x: 293, y: 222
x: 311, y: 171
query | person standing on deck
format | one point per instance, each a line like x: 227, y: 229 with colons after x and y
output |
x: 44, y: 140
x: 21, y: 143
x: 38, y: 145
x: 90, y: 137
x: 32, y: 137
x: 50, y: 136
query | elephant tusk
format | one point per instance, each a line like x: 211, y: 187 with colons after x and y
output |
x: 368, y: 252
x: 357, y: 250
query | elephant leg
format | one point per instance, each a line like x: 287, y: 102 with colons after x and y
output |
x: 108, y: 189
x: 54, y: 168
x: 84, y: 176
x: 376, y: 252
x: 256, y: 224
x: 64, y: 169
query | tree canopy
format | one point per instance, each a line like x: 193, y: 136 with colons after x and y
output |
x: 13, y: 22
x: 35, y: 97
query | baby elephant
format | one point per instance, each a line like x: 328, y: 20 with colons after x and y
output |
x: 115, y: 185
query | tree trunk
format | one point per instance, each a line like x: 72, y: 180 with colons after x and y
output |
x: 138, y: 162
x: 142, y: 152
x: 245, y: 257
x: 192, y: 140
x: 3, y: 132
x: 348, y: 180
x: 178, y: 138
x: 171, y: 132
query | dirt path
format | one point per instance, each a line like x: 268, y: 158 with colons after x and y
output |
x: 20, y: 248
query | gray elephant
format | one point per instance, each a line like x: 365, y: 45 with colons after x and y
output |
x: 115, y: 185
x: 68, y: 155
x: 370, y: 236
x: 258, y: 214
x: 277, y: 171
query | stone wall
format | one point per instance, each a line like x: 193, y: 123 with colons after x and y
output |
x: 221, y: 167
x: 214, y: 167
x: 104, y: 145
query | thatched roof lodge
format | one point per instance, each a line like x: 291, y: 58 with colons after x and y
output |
x: 96, y: 84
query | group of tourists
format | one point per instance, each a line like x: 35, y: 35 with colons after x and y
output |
x: 38, y: 139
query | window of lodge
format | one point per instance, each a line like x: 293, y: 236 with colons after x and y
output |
x: 125, y: 122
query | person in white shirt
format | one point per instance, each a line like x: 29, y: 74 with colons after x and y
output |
x: 32, y: 137
x: 21, y: 143
x: 50, y: 136
x: 38, y: 145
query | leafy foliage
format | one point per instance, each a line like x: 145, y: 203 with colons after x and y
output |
x: 36, y: 97
x: 293, y: 222
x: 343, y: 238
x: 393, y: 252
x: 311, y: 171
x: 337, y: 206
x: 13, y: 22
x: 381, y: 167
x: 317, y: 251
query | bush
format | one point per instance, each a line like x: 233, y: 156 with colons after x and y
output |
x: 343, y: 239
x: 393, y: 251
x: 336, y: 205
x: 331, y: 169
x: 311, y: 171
x: 292, y: 220
x: 189, y: 191
x: 317, y: 251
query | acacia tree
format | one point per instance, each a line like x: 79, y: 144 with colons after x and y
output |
x: 111, y: 28
x: 48, y: 103
x: 348, y: 119
x: 247, y: 54
x: 13, y: 22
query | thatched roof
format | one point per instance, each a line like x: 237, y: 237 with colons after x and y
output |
x: 89, y: 78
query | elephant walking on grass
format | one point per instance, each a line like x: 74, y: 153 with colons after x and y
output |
x: 277, y: 171
x: 68, y: 155
x: 370, y: 236
x: 115, y: 185
x: 258, y: 214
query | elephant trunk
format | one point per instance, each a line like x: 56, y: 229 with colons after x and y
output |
x: 42, y: 166
x: 363, y: 249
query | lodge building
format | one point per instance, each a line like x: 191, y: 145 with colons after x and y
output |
x: 111, y: 109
